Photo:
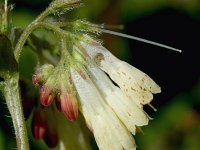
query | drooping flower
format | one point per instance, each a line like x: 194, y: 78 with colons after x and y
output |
x: 127, y: 111
x: 102, y: 101
x: 108, y: 130
x: 136, y: 84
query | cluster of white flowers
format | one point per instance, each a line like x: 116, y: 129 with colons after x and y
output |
x: 112, y: 113
x: 80, y: 81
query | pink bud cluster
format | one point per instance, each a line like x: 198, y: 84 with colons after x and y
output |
x: 62, y: 95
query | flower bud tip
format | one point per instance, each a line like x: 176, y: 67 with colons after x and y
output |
x: 46, y: 96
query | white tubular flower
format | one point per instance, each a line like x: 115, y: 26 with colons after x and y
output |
x: 137, y: 85
x: 109, y: 132
x: 128, y: 112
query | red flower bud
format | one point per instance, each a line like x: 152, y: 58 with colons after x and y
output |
x: 46, y: 96
x: 39, y: 125
x: 69, y: 106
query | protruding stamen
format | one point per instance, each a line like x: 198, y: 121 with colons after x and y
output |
x: 109, y: 26
x: 152, y: 107
x: 141, y: 40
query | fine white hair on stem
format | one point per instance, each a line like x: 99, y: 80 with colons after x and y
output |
x: 140, y: 39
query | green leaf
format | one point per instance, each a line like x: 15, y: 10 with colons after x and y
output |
x: 7, y: 60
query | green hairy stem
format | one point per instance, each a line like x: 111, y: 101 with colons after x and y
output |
x: 12, y: 95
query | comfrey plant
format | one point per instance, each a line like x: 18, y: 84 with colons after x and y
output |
x: 79, y: 80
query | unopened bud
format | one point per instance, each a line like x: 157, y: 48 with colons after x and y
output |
x: 46, y: 95
x: 39, y: 125
x: 69, y: 106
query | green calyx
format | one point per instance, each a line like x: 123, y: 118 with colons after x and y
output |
x: 44, y: 72
x: 63, y: 4
x: 79, y: 26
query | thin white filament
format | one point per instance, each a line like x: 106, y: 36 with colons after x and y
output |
x: 109, y: 26
x: 140, y: 39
